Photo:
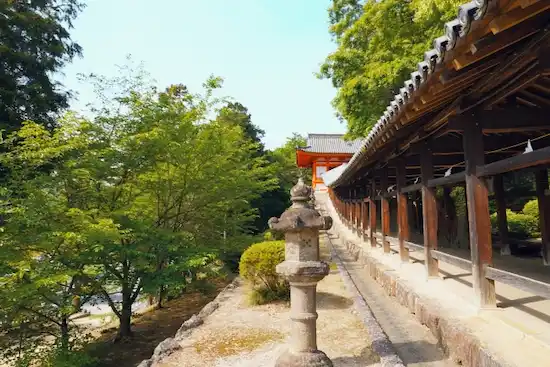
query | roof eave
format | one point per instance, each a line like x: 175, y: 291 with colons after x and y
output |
x: 455, y: 30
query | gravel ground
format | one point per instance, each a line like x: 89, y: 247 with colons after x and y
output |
x: 238, y: 335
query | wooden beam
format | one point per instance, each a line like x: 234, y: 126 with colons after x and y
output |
x: 449, y: 180
x: 535, y: 158
x: 490, y: 45
x: 385, y: 206
x: 451, y: 77
x: 500, y: 198
x: 411, y: 188
x: 526, y: 3
x: 429, y: 212
x: 534, y: 98
x: 516, y: 16
x: 477, y: 198
x: 541, y: 179
x: 459, y: 262
x: 402, y: 212
x: 525, y: 102
x: 511, y: 65
x: 526, y: 284
x: 508, y: 120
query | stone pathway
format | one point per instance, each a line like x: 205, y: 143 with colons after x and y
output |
x: 238, y: 335
x: 413, y: 342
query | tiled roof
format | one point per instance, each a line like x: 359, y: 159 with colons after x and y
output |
x: 331, y: 143
x: 454, y: 30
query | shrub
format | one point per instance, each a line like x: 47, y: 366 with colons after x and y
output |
x: 531, y: 208
x: 519, y: 224
x: 233, y: 250
x: 71, y: 358
x: 257, y: 266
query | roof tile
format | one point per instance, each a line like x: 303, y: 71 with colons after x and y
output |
x: 331, y: 143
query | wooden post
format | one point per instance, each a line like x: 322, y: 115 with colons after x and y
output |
x: 358, y: 215
x: 385, y: 206
x: 429, y: 212
x: 345, y: 211
x: 372, y: 214
x: 500, y: 199
x: 348, y: 208
x: 477, y: 196
x: 355, y: 210
x: 544, y: 215
x: 365, y: 218
x: 402, y: 211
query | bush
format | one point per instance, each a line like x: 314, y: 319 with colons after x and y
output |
x: 233, y: 250
x: 60, y: 358
x: 257, y: 266
x: 531, y: 208
x: 519, y: 224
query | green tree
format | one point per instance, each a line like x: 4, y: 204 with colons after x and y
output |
x: 138, y: 199
x: 379, y: 44
x: 34, y: 44
x: 284, y: 160
x: 234, y: 113
x: 41, y: 269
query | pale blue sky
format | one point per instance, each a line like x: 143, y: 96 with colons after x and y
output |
x: 266, y: 50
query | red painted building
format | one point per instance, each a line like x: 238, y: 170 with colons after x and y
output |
x: 323, y: 153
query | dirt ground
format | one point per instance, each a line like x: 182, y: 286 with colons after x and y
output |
x: 150, y: 329
x: 240, y: 335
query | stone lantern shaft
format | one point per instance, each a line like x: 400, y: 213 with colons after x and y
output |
x: 303, y: 270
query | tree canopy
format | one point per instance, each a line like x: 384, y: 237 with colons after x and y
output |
x: 378, y: 45
x: 137, y: 200
x: 34, y: 43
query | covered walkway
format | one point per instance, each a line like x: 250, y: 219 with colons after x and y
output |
x: 417, y: 198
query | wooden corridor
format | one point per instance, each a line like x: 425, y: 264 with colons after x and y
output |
x: 477, y: 109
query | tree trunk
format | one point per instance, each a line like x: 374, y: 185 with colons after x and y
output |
x: 160, y: 297
x: 64, y: 333
x: 125, y: 327
x: 125, y: 318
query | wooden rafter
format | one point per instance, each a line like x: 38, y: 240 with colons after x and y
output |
x: 516, y: 16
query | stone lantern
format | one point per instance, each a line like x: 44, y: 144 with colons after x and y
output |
x: 303, y: 270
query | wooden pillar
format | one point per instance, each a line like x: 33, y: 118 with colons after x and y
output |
x: 429, y: 212
x: 359, y: 212
x: 346, y: 211
x: 372, y: 214
x: 500, y: 199
x: 541, y: 179
x: 365, y: 218
x: 355, y: 203
x: 479, y: 221
x: 385, y: 207
x: 353, y: 211
x: 348, y: 207
x: 350, y: 210
x: 402, y: 211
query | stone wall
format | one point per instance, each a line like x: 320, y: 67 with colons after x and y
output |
x: 455, y: 339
